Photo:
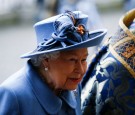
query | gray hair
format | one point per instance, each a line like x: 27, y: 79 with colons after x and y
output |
x: 36, y: 60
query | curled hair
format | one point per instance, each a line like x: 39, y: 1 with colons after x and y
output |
x: 36, y: 60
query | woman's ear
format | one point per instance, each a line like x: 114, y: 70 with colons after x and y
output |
x: 45, y: 62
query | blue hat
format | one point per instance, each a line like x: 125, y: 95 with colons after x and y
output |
x: 64, y: 32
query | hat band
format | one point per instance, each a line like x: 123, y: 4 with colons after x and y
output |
x: 70, y: 35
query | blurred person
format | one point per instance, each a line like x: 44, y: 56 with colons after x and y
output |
x: 91, y: 10
x: 87, y: 6
x: 45, y: 9
x: 128, y: 5
x: 109, y: 84
x: 49, y: 83
x: 63, y: 5
x: 40, y: 10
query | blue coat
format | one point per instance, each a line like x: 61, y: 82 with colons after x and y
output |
x: 25, y: 93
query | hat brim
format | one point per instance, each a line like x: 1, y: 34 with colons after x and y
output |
x: 95, y: 38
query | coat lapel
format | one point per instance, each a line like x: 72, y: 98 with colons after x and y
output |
x: 70, y: 98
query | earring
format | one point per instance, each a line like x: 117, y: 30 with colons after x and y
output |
x: 46, y: 68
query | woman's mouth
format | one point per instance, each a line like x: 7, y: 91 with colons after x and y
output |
x: 76, y: 80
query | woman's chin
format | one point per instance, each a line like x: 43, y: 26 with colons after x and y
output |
x: 72, y: 87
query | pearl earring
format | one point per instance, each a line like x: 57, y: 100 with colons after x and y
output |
x: 46, y: 68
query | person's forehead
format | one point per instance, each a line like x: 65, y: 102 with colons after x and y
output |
x: 75, y: 51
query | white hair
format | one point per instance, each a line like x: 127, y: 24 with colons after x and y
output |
x: 36, y: 60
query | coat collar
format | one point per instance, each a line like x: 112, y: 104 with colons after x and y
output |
x: 50, y: 102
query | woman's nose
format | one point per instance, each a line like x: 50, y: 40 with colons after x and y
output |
x: 80, y: 67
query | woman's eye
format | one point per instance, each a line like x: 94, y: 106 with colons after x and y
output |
x: 84, y: 60
x: 72, y: 59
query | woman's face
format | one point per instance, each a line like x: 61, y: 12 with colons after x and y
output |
x: 67, y: 70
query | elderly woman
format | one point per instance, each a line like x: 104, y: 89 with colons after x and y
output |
x: 49, y: 82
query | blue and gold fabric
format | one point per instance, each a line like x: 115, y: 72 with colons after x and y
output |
x: 109, y: 84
